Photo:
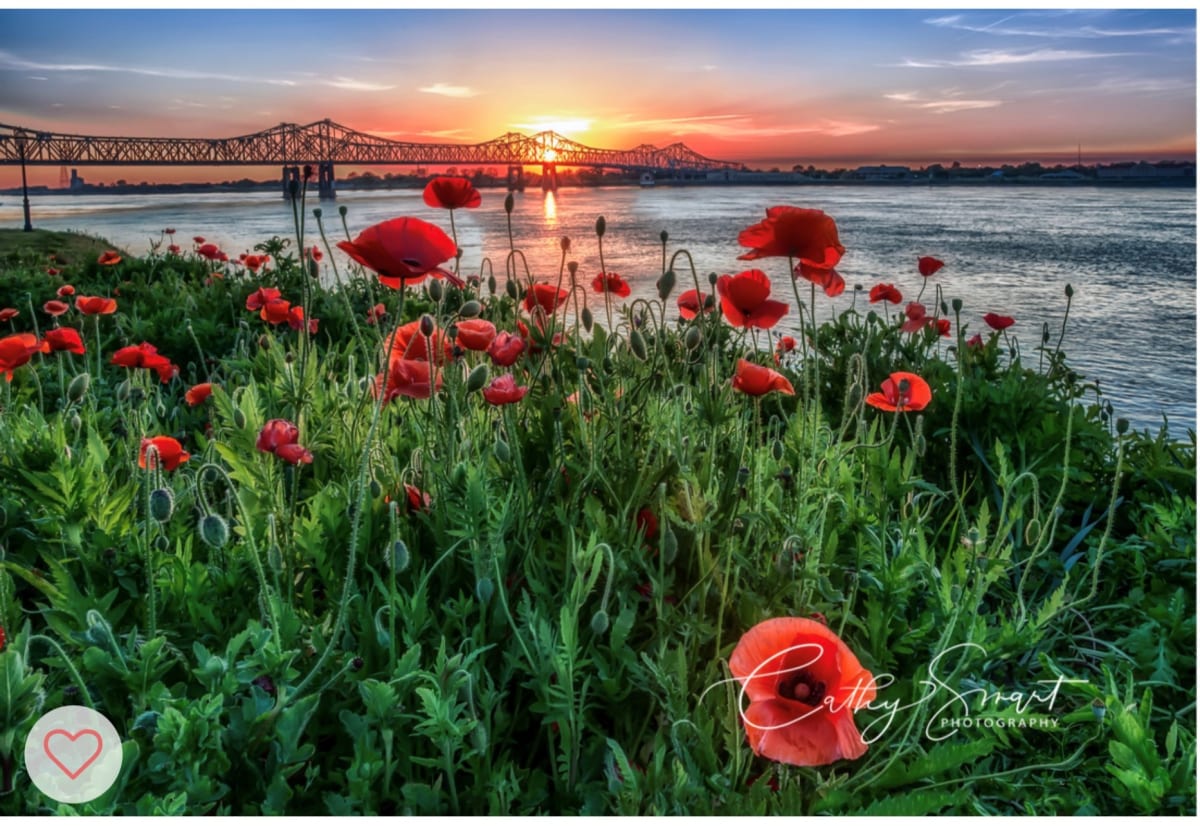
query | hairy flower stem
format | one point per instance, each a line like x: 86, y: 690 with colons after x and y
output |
x: 84, y: 694
x: 607, y: 294
x: 148, y: 483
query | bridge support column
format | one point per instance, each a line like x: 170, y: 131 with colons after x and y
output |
x: 325, y: 181
x: 549, y: 177
x: 516, y: 178
x: 291, y: 180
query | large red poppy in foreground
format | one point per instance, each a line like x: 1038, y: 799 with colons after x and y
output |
x: 16, y: 351
x: 451, y: 193
x: 167, y: 453
x: 746, y: 302
x: 756, y: 380
x: 902, y: 391
x: 402, y: 251
x: 804, y: 685
x: 801, y: 234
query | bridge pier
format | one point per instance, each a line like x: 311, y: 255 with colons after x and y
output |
x: 291, y: 179
x: 516, y: 179
x: 325, y: 181
x: 549, y: 177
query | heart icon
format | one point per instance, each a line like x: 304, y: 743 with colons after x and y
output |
x: 78, y: 750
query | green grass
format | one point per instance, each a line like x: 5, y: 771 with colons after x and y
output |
x: 520, y: 646
x: 69, y: 248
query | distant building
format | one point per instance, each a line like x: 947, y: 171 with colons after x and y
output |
x: 883, y: 173
x: 1062, y: 175
x: 1143, y: 171
x: 76, y: 181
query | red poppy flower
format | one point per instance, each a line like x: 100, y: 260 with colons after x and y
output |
x: 408, y: 342
x: 827, y: 278
x: 294, y: 454
x: 295, y: 320
x: 802, y: 234
x: 64, y: 338
x: 108, y: 258
x: 975, y: 341
x: 65, y: 290
x: 745, y: 302
x: 611, y: 283
x: 804, y: 685
x: 418, y: 500
x: 786, y: 344
x: 756, y: 380
x: 401, y: 251
x: 505, y: 349
x: 942, y: 325
x: 210, y: 251
x: 504, y: 390
x: 927, y: 265
x: 16, y: 351
x: 407, y: 377
x: 275, y: 311
x: 255, y: 262
x: 999, y: 322
x: 169, y: 231
x: 95, y: 305
x: 902, y: 391
x: 168, y: 453
x: 376, y: 314
x: 261, y: 297
x: 275, y: 434
x: 51, y: 271
x: 199, y: 239
x: 315, y: 253
x: 8, y: 313
x: 915, y: 317
x: 55, y: 307
x: 691, y: 303
x: 451, y: 193
x: 198, y: 393
x: 546, y: 296
x: 646, y: 523
x: 174, y: 249
x: 885, y: 292
x: 475, y: 334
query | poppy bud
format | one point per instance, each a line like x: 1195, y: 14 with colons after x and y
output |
x: 484, y: 590
x: 1045, y: 332
x: 712, y: 279
x: 670, y: 544
x: 510, y: 287
x: 637, y: 345
x: 599, y: 622
x: 572, y: 267
x: 565, y: 243
x: 777, y: 449
x: 692, y: 338
x: 356, y: 664
x: 919, y: 444
x: 317, y: 213
x: 583, y: 363
x: 400, y: 557
x: 586, y: 317
x: 469, y: 310
x: 435, y: 290
x: 75, y: 421
x: 214, y: 530
x: 480, y: 736
x: 945, y: 308
x: 1122, y: 426
x: 477, y: 378
x: 162, y: 504
x: 214, y: 669
x: 78, y: 387
x: 508, y: 203
x: 502, y: 451
x: 123, y: 390
x: 957, y: 305
x: 136, y: 396
x: 264, y: 343
x: 666, y: 284
x: 239, y: 418
x: 289, y: 358
x: 275, y: 558
x: 662, y: 236
x: 427, y: 325
x: 314, y: 270
x: 1070, y: 291
x: 162, y: 544
x: 600, y: 226
x: 492, y: 284
x: 1033, y: 529
x: 342, y: 210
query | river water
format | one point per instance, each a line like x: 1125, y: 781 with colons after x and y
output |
x: 1129, y: 254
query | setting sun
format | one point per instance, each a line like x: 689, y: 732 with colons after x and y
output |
x: 567, y: 127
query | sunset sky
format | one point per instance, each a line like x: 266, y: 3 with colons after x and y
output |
x: 767, y: 88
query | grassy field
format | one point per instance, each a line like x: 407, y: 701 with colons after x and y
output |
x: 525, y: 546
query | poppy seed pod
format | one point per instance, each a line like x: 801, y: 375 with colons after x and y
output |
x: 572, y: 267
x: 502, y: 451
x: 1122, y: 426
x: 477, y: 378
x: 712, y: 279
x: 78, y: 387
x: 484, y: 590
x: 317, y: 213
x: 342, y: 210
x: 637, y: 345
x: 1070, y: 291
x: 162, y: 505
x: 601, y: 224
x: 692, y: 338
x: 214, y: 530
x: 663, y: 236
x: 957, y: 304
x: 565, y: 243
x: 435, y: 290
x: 666, y: 284
x: 599, y: 622
x: 469, y: 310
x: 508, y: 203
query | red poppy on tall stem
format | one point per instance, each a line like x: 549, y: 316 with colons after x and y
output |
x: 408, y: 342
x: 16, y: 351
x: 294, y: 453
x: 210, y: 251
x: 942, y: 325
x: 167, y: 453
x: 275, y: 311
x: 999, y: 322
x: 55, y: 307
x: 401, y: 251
x: 546, y: 296
x: 198, y: 393
x: 804, y: 685
x: 901, y: 392
x: 745, y: 301
x: 504, y: 390
x: 51, y: 271
x: 915, y: 318
x: 475, y: 334
x: 276, y: 433
x: 885, y: 292
x: 611, y: 282
x: 255, y: 262
x: 108, y: 258
x: 65, y: 291
x: 407, y: 377
x: 505, y: 349
x: 95, y: 305
x: 295, y: 320
x: 376, y: 314
x: 65, y: 338
x: 756, y: 380
x: 691, y: 302
x: 9, y: 313
x: 827, y: 278
x: 261, y: 297
x: 927, y: 265
x: 451, y: 193
x: 807, y: 235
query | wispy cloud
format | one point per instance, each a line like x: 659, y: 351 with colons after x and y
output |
x: 1004, y: 26
x: 735, y: 126
x: 1002, y: 57
x: 10, y: 61
x: 353, y: 85
x: 945, y: 104
x: 447, y: 90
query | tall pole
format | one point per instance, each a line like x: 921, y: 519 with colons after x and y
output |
x: 25, y: 188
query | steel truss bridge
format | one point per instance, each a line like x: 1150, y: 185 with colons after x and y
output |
x: 325, y: 143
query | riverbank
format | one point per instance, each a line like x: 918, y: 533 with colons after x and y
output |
x: 67, y: 247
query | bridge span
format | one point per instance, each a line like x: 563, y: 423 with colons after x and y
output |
x: 322, y: 144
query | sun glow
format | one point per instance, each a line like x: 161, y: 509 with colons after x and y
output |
x: 563, y: 126
x: 549, y: 156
